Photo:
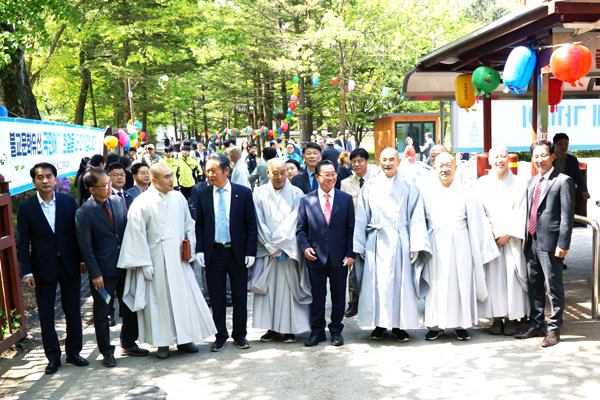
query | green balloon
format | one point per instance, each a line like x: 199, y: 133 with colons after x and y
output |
x: 485, y: 80
x: 296, y: 79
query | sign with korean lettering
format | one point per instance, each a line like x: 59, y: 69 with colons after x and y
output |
x: 511, y: 125
x: 23, y: 143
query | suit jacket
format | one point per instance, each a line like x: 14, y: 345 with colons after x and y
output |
x: 193, y: 203
x: 302, y: 181
x: 572, y: 170
x: 126, y: 197
x: 242, y: 223
x: 47, y: 246
x: 333, y: 241
x: 99, y: 241
x: 331, y: 154
x: 555, y: 213
x: 260, y: 174
x: 134, y: 192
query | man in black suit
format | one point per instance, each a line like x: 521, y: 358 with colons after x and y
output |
x: 325, y: 230
x: 307, y: 179
x: 97, y: 161
x: 100, y: 223
x: 226, y: 239
x: 48, y: 255
x: 116, y: 173
x: 568, y: 164
x: 549, y: 225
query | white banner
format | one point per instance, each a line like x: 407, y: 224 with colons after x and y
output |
x: 24, y: 143
x: 511, y: 125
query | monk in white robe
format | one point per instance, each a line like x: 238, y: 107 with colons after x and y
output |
x: 280, y: 280
x: 160, y: 286
x: 389, y: 230
x: 462, y: 242
x: 503, y: 195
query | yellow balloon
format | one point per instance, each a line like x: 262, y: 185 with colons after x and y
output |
x: 111, y: 142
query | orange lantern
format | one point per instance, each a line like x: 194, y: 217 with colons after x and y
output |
x: 571, y: 62
x: 555, y: 93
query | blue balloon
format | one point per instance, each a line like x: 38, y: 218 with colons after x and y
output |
x: 3, y: 111
x: 518, y: 69
x: 127, y: 146
x: 138, y: 124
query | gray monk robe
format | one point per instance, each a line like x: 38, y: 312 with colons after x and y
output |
x: 279, y: 278
x: 390, y: 224
x: 170, y: 307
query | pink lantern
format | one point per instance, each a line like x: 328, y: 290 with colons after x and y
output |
x: 284, y: 127
x: 351, y: 85
x: 294, y: 97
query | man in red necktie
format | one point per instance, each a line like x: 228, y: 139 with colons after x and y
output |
x: 324, y: 232
x: 549, y: 225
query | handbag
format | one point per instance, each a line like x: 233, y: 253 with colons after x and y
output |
x: 186, y: 250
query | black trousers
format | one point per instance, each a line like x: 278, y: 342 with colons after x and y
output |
x: 70, y: 293
x: 129, y: 329
x: 337, y: 288
x: 545, y: 275
x: 100, y: 312
x: 222, y: 264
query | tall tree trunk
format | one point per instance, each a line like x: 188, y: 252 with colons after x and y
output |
x: 309, y: 112
x: 18, y: 97
x: 283, y: 91
x: 93, y: 102
x: 300, y: 112
x: 269, y: 98
x: 84, y: 88
x: 175, y: 125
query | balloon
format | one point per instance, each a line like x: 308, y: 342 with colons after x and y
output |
x: 518, y: 69
x: 296, y: 79
x: 111, y: 142
x: 134, y: 143
x: 315, y: 80
x: 335, y: 80
x: 127, y: 146
x: 123, y: 138
x: 131, y: 128
x: 121, y: 131
x: 138, y: 124
x: 144, y: 135
x: 3, y: 111
x: 133, y: 135
x: 351, y: 85
x: 294, y: 97
x: 368, y: 87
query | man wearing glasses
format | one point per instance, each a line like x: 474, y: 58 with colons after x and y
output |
x: 324, y: 231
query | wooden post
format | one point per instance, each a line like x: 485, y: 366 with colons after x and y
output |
x: 487, y: 124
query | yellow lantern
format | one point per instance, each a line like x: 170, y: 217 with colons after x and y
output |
x: 111, y: 142
x: 464, y: 91
x: 368, y: 87
x: 295, y: 91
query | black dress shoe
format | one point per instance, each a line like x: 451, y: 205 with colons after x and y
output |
x: 378, y: 333
x: 241, y: 343
x: 218, y: 344
x: 269, y: 336
x: 52, y: 367
x: 109, y: 361
x: 531, y: 333
x: 163, y: 352
x: 188, y: 347
x: 337, y: 339
x: 314, y: 340
x: 351, y: 311
x: 134, y: 351
x: 78, y: 361
x: 111, y: 321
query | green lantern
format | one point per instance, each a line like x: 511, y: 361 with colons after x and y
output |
x: 485, y: 80
x: 296, y: 79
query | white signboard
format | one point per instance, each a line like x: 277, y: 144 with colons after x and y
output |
x: 24, y: 142
x: 511, y: 125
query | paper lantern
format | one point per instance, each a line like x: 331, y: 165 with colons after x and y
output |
x: 464, y: 92
x: 518, y: 69
x: 3, y: 111
x: 351, y: 85
x: 385, y: 91
x: 284, y: 127
x: 368, y: 88
x: 294, y: 97
x: 555, y: 93
x: 335, y: 80
x: 293, y: 106
x: 315, y: 80
x: 111, y: 142
x: 571, y: 62
x: 295, y: 91
x: 296, y: 79
x: 485, y: 80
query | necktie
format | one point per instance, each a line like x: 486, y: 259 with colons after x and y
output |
x: 327, y: 209
x: 534, y: 208
x: 361, y: 182
x: 120, y: 193
x: 108, y: 213
x: 222, y: 225
x: 314, y: 185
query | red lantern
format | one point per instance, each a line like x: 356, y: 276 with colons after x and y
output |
x: 335, y: 80
x: 571, y: 62
x: 555, y: 93
x: 293, y: 106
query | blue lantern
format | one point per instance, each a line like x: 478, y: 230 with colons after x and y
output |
x: 3, y: 111
x: 315, y: 80
x: 518, y: 69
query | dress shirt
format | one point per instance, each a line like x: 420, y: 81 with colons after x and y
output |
x: 544, y: 182
x: 49, y: 210
x: 216, y: 194
x: 321, y: 194
x: 311, y: 178
x: 116, y: 192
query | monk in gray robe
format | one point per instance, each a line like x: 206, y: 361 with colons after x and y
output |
x: 279, y: 280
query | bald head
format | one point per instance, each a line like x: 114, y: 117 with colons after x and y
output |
x: 498, y: 159
x: 162, y: 177
x: 389, y: 160
x: 445, y: 168
x: 277, y: 173
x: 235, y: 154
x: 157, y: 169
x: 275, y: 163
x: 433, y: 153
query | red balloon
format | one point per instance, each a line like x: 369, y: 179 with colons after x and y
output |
x: 335, y: 80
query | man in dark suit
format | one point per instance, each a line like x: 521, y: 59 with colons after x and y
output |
x: 324, y: 231
x: 307, y: 180
x: 97, y: 161
x: 117, y: 175
x: 48, y: 255
x: 100, y: 223
x: 141, y: 176
x: 226, y: 239
x: 568, y: 164
x: 550, y: 209
x: 331, y: 153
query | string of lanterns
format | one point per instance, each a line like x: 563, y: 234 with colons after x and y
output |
x: 568, y: 63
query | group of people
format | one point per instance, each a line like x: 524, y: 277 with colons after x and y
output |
x: 493, y: 250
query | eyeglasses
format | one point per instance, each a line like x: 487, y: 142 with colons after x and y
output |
x: 328, y: 176
x: 103, y: 187
x: 118, y: 175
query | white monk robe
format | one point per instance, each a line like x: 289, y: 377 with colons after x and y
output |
x: 462, y: 241
x: 240, y: 174
x: 390, y: 224
x: 281, y: 288
x: 170, y: 307
x: 505, y: 202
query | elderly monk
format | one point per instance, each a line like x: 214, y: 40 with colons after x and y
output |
x: 462, y: 242
x: 160, y: 285
x: 280, y: 279
x: 503, y: 195
x: 390, y: 229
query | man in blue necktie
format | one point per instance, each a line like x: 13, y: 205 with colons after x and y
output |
x: 307, y: 180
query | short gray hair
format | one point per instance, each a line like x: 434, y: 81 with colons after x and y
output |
x: 222, y: 159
